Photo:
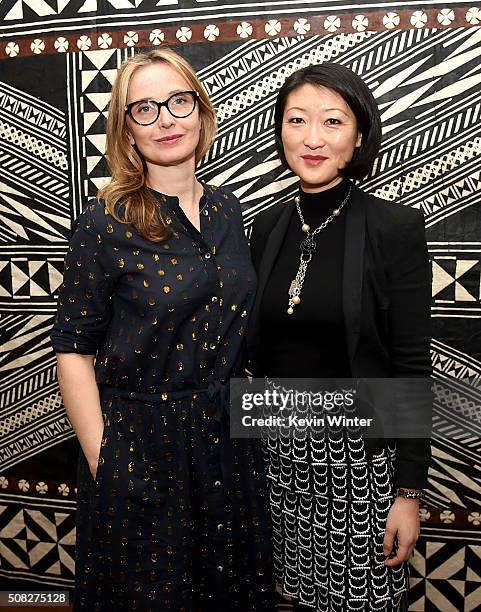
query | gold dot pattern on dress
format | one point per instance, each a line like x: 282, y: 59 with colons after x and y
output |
x: 163, y: 318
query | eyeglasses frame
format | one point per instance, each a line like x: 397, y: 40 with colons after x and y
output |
x: 128, y: 107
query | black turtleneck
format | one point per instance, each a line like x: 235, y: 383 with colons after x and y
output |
x: 310, y: 343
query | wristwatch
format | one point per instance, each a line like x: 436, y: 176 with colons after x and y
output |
x: 410, y: 493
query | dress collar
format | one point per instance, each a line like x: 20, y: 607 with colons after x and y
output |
x: 172, y: 201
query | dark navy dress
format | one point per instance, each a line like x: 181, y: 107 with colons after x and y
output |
x: 176, y: 517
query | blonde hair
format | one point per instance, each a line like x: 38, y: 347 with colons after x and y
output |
x: 128, y: 172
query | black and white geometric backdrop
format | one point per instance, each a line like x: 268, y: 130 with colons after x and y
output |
x: 58, y: 58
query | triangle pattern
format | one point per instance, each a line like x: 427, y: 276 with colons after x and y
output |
x: 55, y: 278
x: 61, y: 4
x: 87, y: 77
x: 16, y: 12
x: 89, y: 119
x: 110, y: 75
x: 100, y: 58
x: 21, y: 543
x: 100, y: 100
x: 19, y: 278
x: 462, y: 295
x: 5, y: 279
x: 55, y: 569
x: 441, y: 278
x: 98, y: 141
x: 38, y: 552
x: 36, y: 290
x: 15, y: 528
x: 89, y: 6
x: 92, y: 162
x: 99, y: 182
x: 31, y: 536
x: 463, y: 265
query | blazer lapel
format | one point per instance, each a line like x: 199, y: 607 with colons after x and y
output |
x: 353, y: 270
x: 271, y: 250
x: 352, y: 273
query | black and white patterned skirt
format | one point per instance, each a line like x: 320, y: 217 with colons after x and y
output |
x: 329, y: 509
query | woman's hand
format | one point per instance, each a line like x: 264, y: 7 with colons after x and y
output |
x: 402, y: 523
x: 80, y: 393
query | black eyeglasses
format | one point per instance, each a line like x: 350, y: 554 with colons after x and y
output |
x: 179, y: 105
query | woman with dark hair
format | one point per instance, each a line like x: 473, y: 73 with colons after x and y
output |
x: 157, y: 288
x: 344, y: 291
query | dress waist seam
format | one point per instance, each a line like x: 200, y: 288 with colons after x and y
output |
x: 214, y: 389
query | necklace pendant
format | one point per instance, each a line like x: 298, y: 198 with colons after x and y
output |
x: 293, y: 287
x: 290, y: 310
x: 305, y: 228
x: 308, y: 244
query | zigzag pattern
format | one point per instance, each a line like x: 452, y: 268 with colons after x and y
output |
x: 33, y: 166
x: 458, y: 147
x: 32, y: 112
x: 32, y: 417
x: 454, y: 477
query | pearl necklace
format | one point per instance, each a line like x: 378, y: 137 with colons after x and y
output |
x: 307, y: 247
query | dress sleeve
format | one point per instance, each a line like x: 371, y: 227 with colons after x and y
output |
x: 84, y: 312
x: 410, y: 316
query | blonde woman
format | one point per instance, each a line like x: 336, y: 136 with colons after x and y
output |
x: 157, y: 289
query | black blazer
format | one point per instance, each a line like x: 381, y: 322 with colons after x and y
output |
x: 386, y: 302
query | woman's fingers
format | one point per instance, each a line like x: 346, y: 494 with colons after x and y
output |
x: 388, y: 540
x: 403, y: 553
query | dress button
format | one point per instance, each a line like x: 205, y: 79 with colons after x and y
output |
x: 217, y: 483
x: 212, y: 346
x: 220, y: 568
x: 216, y: 440
x: 220, y: 527
x: 207, y: 255
x: 214, y: 299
